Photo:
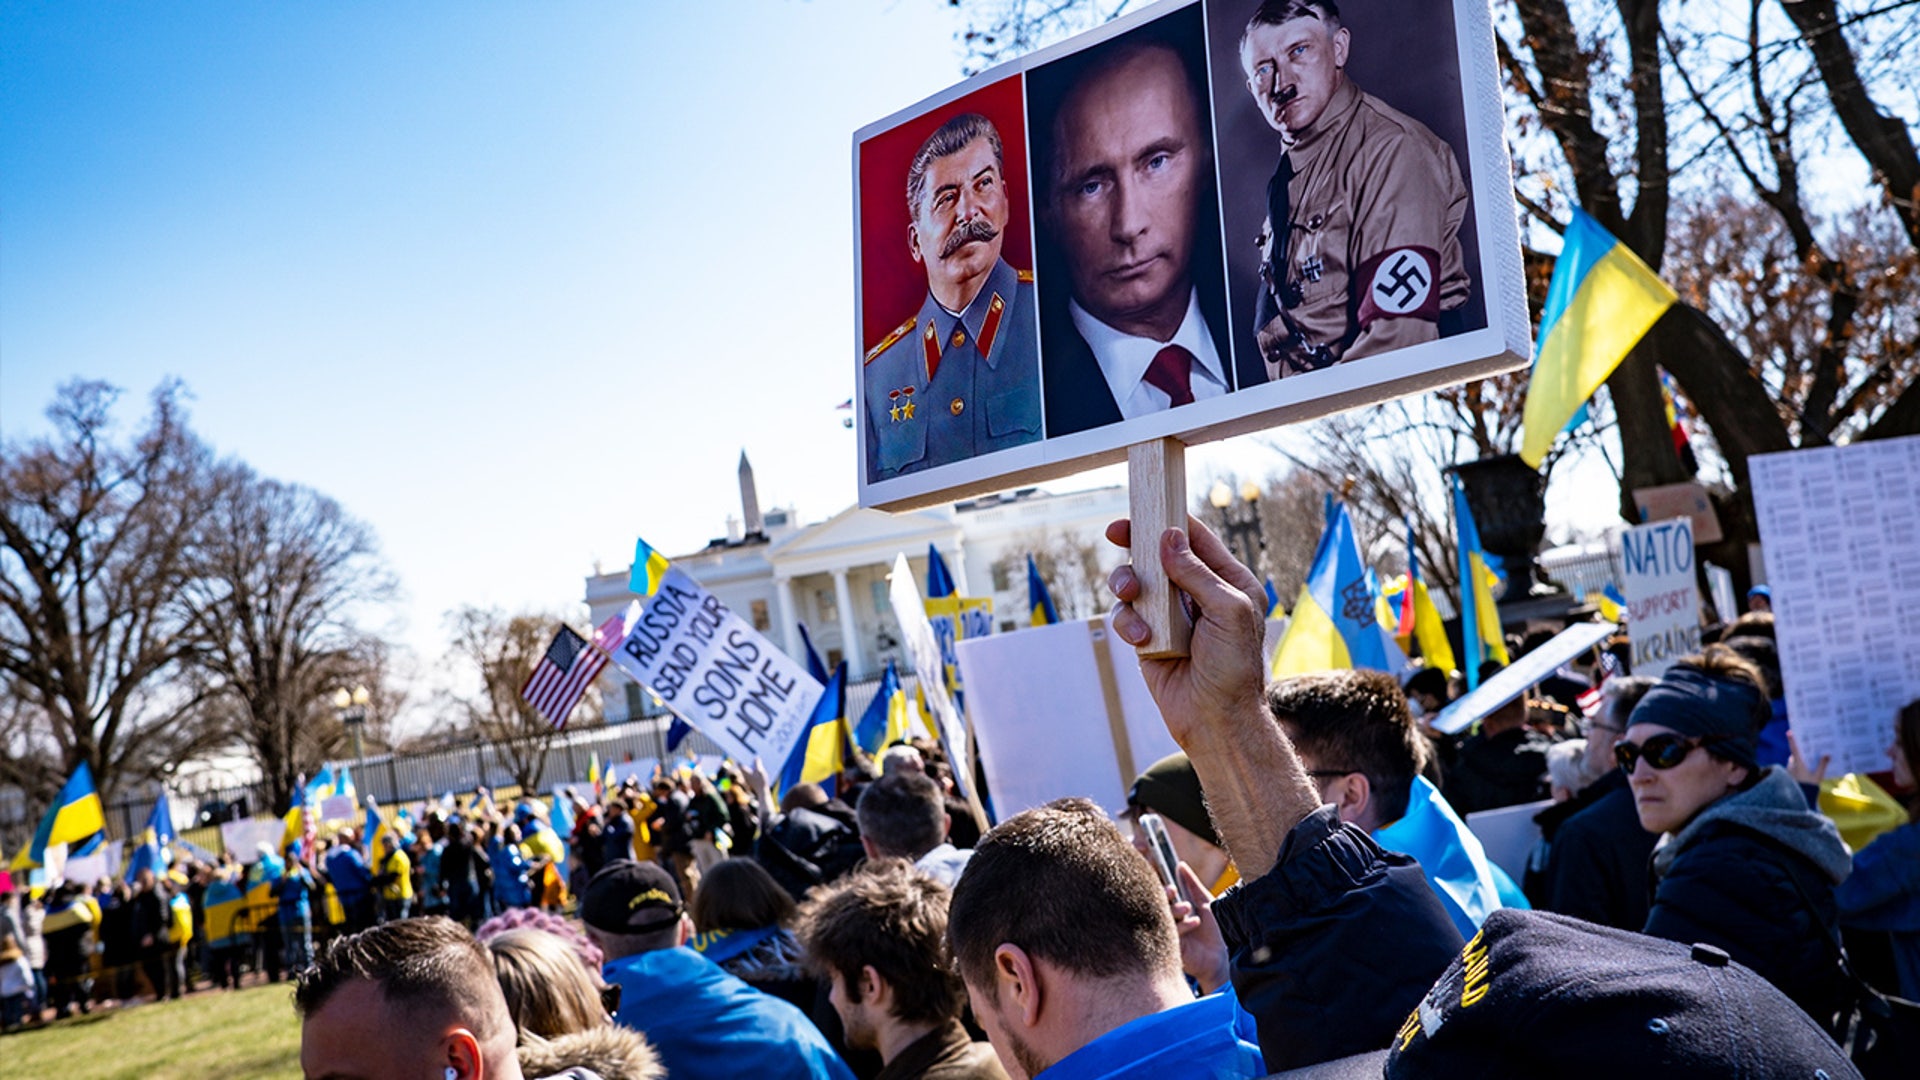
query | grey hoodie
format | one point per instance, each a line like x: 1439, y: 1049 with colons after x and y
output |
x: 1776, y: 808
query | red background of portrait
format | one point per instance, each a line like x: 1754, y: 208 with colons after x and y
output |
x: 892, y: 285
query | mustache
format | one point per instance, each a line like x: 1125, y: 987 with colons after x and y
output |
x: 975, y: 231
x: 1284, y: 96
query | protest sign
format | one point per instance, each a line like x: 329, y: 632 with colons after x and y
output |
x: 1841, y: 527
x: 244, y: 837
x: 1663, y: 595
x: 997, y: 307
x: 1061, y: 710
x: 339, y: 808
x: 922, y: 643
x: 1509, y: 834
x: 716, y: 672
x: 1720, y: 591
x: 1514, y: 679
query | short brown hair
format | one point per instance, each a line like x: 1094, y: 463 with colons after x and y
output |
x: 1355, y: 720
x: 904, y: 814
x: 739, y: 894
x: 1722, y: 662
x: 549, y: 991
x: 1061, y: 882
x: 420, y: 965
x: 891, y: 917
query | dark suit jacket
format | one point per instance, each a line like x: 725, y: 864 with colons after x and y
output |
x: 1076, y: 391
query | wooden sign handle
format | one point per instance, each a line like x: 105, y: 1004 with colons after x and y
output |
x: 1157, y: 501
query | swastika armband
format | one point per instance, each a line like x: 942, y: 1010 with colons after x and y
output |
x: 1399, y: 283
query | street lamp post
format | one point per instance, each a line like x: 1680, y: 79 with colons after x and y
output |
x: 352, y: 707
x: 1240, y: 521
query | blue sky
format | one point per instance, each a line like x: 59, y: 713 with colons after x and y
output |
x: 513, y: 282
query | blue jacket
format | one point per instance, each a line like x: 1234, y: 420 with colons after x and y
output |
x: 347, y: 869
x: 705, y: 1022
x: 509, y: 874
x: 1207, y: 1039
x: 1883, y: 893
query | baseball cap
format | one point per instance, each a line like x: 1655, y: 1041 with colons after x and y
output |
x: 1539, y: 994
x: 1171, y: 789
x: 628, y: 897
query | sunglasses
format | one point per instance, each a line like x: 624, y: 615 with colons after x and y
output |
x: 1661, y: 751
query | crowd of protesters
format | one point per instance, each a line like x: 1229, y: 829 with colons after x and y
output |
x: 1326, y: 904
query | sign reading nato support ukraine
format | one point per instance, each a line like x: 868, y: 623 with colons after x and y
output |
x: 1663, y: 595
x: 716, y: 672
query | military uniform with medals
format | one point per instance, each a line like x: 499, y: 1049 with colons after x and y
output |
x: 943, y: 388
x: 1369, y: 204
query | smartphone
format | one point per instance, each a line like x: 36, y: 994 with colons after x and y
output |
x: 1164, y: 860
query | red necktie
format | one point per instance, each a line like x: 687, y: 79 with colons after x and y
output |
x: 1171, y: 373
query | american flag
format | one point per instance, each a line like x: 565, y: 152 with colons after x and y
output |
x: 566, y: 671
x: 1609, y: 666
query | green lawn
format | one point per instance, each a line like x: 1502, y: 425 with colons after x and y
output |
x: 216, y: 1035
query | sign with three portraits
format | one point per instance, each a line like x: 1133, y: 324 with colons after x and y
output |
x: 1204, y: 219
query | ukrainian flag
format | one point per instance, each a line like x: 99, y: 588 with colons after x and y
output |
x: 1479, y: 619
x: 1601, y: 302
x: 1038, y: 598
x: 75, y: 817
x: 821, y: 753
x: 815, y: 666
x: 649, y: 568
x: 1274, y: 610
x: 939, y: 579
x: 1429, y: 631
x: 885, y: 720
x: 1334, y: 623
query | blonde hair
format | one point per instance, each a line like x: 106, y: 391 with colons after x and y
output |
x: 549, y: 991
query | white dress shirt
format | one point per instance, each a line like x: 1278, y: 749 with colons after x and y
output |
x: 1124, y: 359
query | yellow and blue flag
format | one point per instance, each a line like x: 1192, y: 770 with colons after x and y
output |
x: 76, y: 817
x: 1480, y: 631
x: 1334, y: 623
x: 1601, y: 302
x: 1039, y: 600
x: 1429, y: 630
x: 815, y: 667
x: 821, y: 754
x: 885, y: 721
x: 1274, y: 610
x: 1613, y: 606
x: 649, y: 569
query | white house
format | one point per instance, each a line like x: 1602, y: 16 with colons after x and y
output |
x: 832, y: 575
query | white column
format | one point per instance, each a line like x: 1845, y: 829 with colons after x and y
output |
x: 787, y: 618
x: 849, y: 634
x: 959, y: 567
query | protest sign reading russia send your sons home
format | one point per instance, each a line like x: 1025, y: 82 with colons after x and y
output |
x: 1189, y: 223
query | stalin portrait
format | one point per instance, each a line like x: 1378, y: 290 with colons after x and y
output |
x: 962, y: 376
x: 1360, y: 251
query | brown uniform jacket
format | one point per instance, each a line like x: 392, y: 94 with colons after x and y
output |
x: 945, y: 1054
x: 1372, y: 245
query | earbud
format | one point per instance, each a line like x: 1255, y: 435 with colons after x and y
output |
x: 453, y: 1073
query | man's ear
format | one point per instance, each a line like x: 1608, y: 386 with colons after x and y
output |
x: 913, y: 244
x: 875, y: 989
x: 1341, y: 42
x: 866, y: 844
x: 1018, y: 983
x: 462, y: 1052
x: 1356, y: 795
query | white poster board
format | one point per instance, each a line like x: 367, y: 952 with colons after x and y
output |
x: 922, y: 642
x: 716, y: 672
x: 1039, y: 703
x: 1508, y: 834
x: 1521, y: 675
x: 1841, y: 527
x: 1657, y: 577
x: 244, y: 837
x: 1720, y: 589
x: 1009, y: 390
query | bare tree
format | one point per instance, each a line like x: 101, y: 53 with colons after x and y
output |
x: 94, y: 544
x: 498, y: 652
x: 1073, y: 566
x: 282, y: 577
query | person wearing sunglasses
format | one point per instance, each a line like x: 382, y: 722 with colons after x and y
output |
x: 1742, y: 862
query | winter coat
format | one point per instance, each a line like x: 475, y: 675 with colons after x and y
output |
x: 1883, y: 893
x: 1334, y: 946
x: 608, y: 1052
x: 1753, y: 873
x: 1597, y: 859
x: 1491, y: 771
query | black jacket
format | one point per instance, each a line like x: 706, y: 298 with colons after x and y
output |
x: 806, y: 846
x: 1597, y: 859
x: 1334, y: 946
x: 1492, y: 771
x: 1745, y: 875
